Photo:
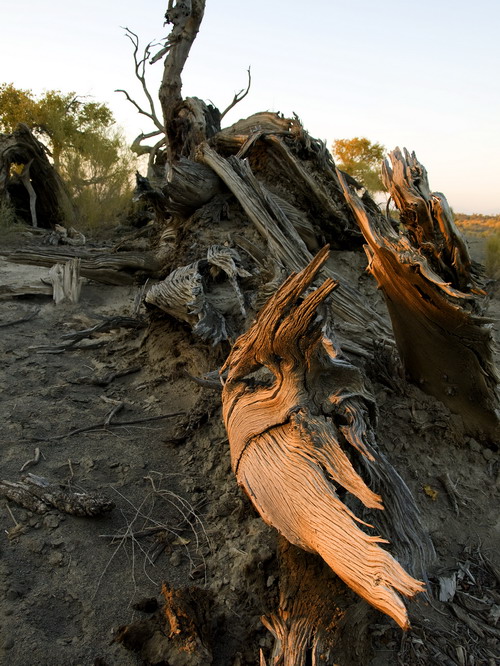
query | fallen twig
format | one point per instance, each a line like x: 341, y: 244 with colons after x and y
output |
x: 69, y: 346
x: 29, y: 316
x: 33, y: 461
x: 109, y: 324
x: 450, y: 490
x: 206, y: 383
x: 107, y: 378
x: 113, y: 413
x: 103, y: 426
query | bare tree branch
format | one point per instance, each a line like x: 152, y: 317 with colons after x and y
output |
x: 238, y: 96
x: 154, y: 151
x: 140, y: 73
x: 137, y: 146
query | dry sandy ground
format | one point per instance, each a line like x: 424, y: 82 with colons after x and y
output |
x: 67, y: 583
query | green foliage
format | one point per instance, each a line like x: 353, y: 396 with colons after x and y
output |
x: 100, y: 183
x: 90, y: 155
x: 8, y: 217
x: 362, y: 159
x: 492, y: 258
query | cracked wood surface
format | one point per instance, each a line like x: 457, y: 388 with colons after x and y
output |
x: 294, y: 434
x: 434, y: 299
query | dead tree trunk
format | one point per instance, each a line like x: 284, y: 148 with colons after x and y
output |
x: 318, y: 619
x: 435, y: 300
x: 188, y: 121
x: 293, y: 431
x: 37, y: 193
x: 246, y: 207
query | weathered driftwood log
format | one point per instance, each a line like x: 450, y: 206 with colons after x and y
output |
x: 434, y: 300
x: 189, y: 186
x: 120, y: 268
x: 295, y: 428
x: 37, y: 193
x: 37, y: 494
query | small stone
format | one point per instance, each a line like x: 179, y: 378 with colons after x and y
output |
x: 114, y: 465
x: 175, y: 558
x: 488, y: 454
x: 55, y: 559
x: 8, y: 644
x: 474, y: 446
x: 51, y: 520
x: 34, y: 545
x: 12, y: 594
x: 270, y: 581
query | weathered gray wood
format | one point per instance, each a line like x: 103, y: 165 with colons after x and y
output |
x: 66, y: 282
x: 37, y: 494
x: 120, y: 268
x: 287, y: 247
x: 191, y: 294
x: 189, y: 186
x: 187, y: 121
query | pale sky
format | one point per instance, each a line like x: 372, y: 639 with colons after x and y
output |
x: 422, y: 75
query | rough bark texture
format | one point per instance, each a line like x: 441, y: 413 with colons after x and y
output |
x: 434, y: 297
x: 38, y: 195
x: 292, y: 435
x: 187, y: 121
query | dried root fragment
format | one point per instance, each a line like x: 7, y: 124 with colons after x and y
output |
x: 181, y: 632
x: 197, y: 295
x: 294, y: 438
x: 37, y: 494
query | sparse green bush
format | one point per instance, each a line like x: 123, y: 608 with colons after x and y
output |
x: 8, y: 217
x: 88, y: 152
x: 100, y: 181
x: 492, y: 258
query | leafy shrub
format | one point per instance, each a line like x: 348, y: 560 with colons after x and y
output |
x: 492, y: 258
